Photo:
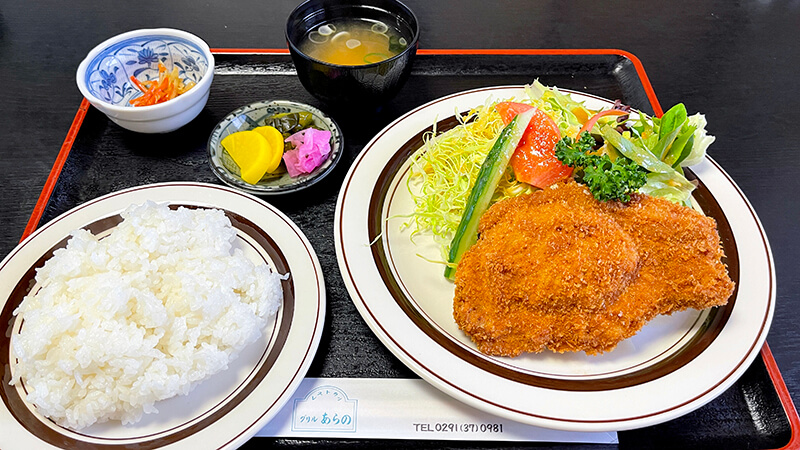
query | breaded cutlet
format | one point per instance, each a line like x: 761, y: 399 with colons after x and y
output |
x: 559, y: 270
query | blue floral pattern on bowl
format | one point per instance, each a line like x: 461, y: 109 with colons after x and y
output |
x: 108, y: 76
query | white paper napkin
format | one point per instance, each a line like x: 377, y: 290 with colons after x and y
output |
x: 369, y: 408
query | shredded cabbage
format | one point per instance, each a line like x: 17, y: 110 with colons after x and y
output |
x: 444, y: 169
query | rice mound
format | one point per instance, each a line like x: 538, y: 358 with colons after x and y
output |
x: 144, y: 314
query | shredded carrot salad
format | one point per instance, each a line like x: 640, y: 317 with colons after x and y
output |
x: 166, y: 87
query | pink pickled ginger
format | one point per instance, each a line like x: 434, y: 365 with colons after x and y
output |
x: 311, y: 149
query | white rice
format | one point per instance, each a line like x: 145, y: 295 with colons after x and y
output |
x: 146, y: 313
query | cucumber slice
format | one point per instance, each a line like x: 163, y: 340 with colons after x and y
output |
x: 482, y: 191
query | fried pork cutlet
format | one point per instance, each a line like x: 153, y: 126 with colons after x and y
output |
x: 560, y: 270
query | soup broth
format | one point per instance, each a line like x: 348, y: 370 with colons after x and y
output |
x: 353, y: 42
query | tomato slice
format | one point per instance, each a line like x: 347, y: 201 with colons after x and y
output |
x: 534, y: 161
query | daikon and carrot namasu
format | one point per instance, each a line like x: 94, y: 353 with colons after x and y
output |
x: 167, y: 86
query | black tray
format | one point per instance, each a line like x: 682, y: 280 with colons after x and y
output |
x: 99, y: 157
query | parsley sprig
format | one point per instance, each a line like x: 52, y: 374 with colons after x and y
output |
x: 607, y: 180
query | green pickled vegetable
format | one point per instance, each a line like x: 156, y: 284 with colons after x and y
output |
x: 290, y: 123
x: 492, y: 170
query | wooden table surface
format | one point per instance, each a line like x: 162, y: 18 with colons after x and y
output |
x: 736, y: 62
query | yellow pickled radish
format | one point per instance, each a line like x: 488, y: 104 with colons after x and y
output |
x: 251, y: 152
x: 275, y: 139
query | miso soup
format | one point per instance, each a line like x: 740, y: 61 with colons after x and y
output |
x: 353, y: 42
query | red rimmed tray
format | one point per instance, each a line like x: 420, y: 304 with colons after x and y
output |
x: 98, y: 157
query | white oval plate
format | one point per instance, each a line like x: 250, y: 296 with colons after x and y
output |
x: 231, y: 406
x: 674, y: 365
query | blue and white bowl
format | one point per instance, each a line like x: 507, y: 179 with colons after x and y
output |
x: 103, y: 77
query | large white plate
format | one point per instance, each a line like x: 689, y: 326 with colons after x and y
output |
x: 674, y: 365
x: 230, y: 407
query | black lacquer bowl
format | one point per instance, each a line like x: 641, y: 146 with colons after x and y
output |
x: 344, y: 87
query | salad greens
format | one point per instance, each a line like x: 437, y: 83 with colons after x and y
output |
x: 671, y: 183
x: 662, y: 146
x: 445, y: 168
x: 570, y: 109
x: 607, y: 180
x: 634, y: 152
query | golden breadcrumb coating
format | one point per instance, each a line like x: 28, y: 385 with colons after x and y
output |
x: 559, y: 270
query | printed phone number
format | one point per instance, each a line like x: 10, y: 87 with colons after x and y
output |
x: 449, y: 427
